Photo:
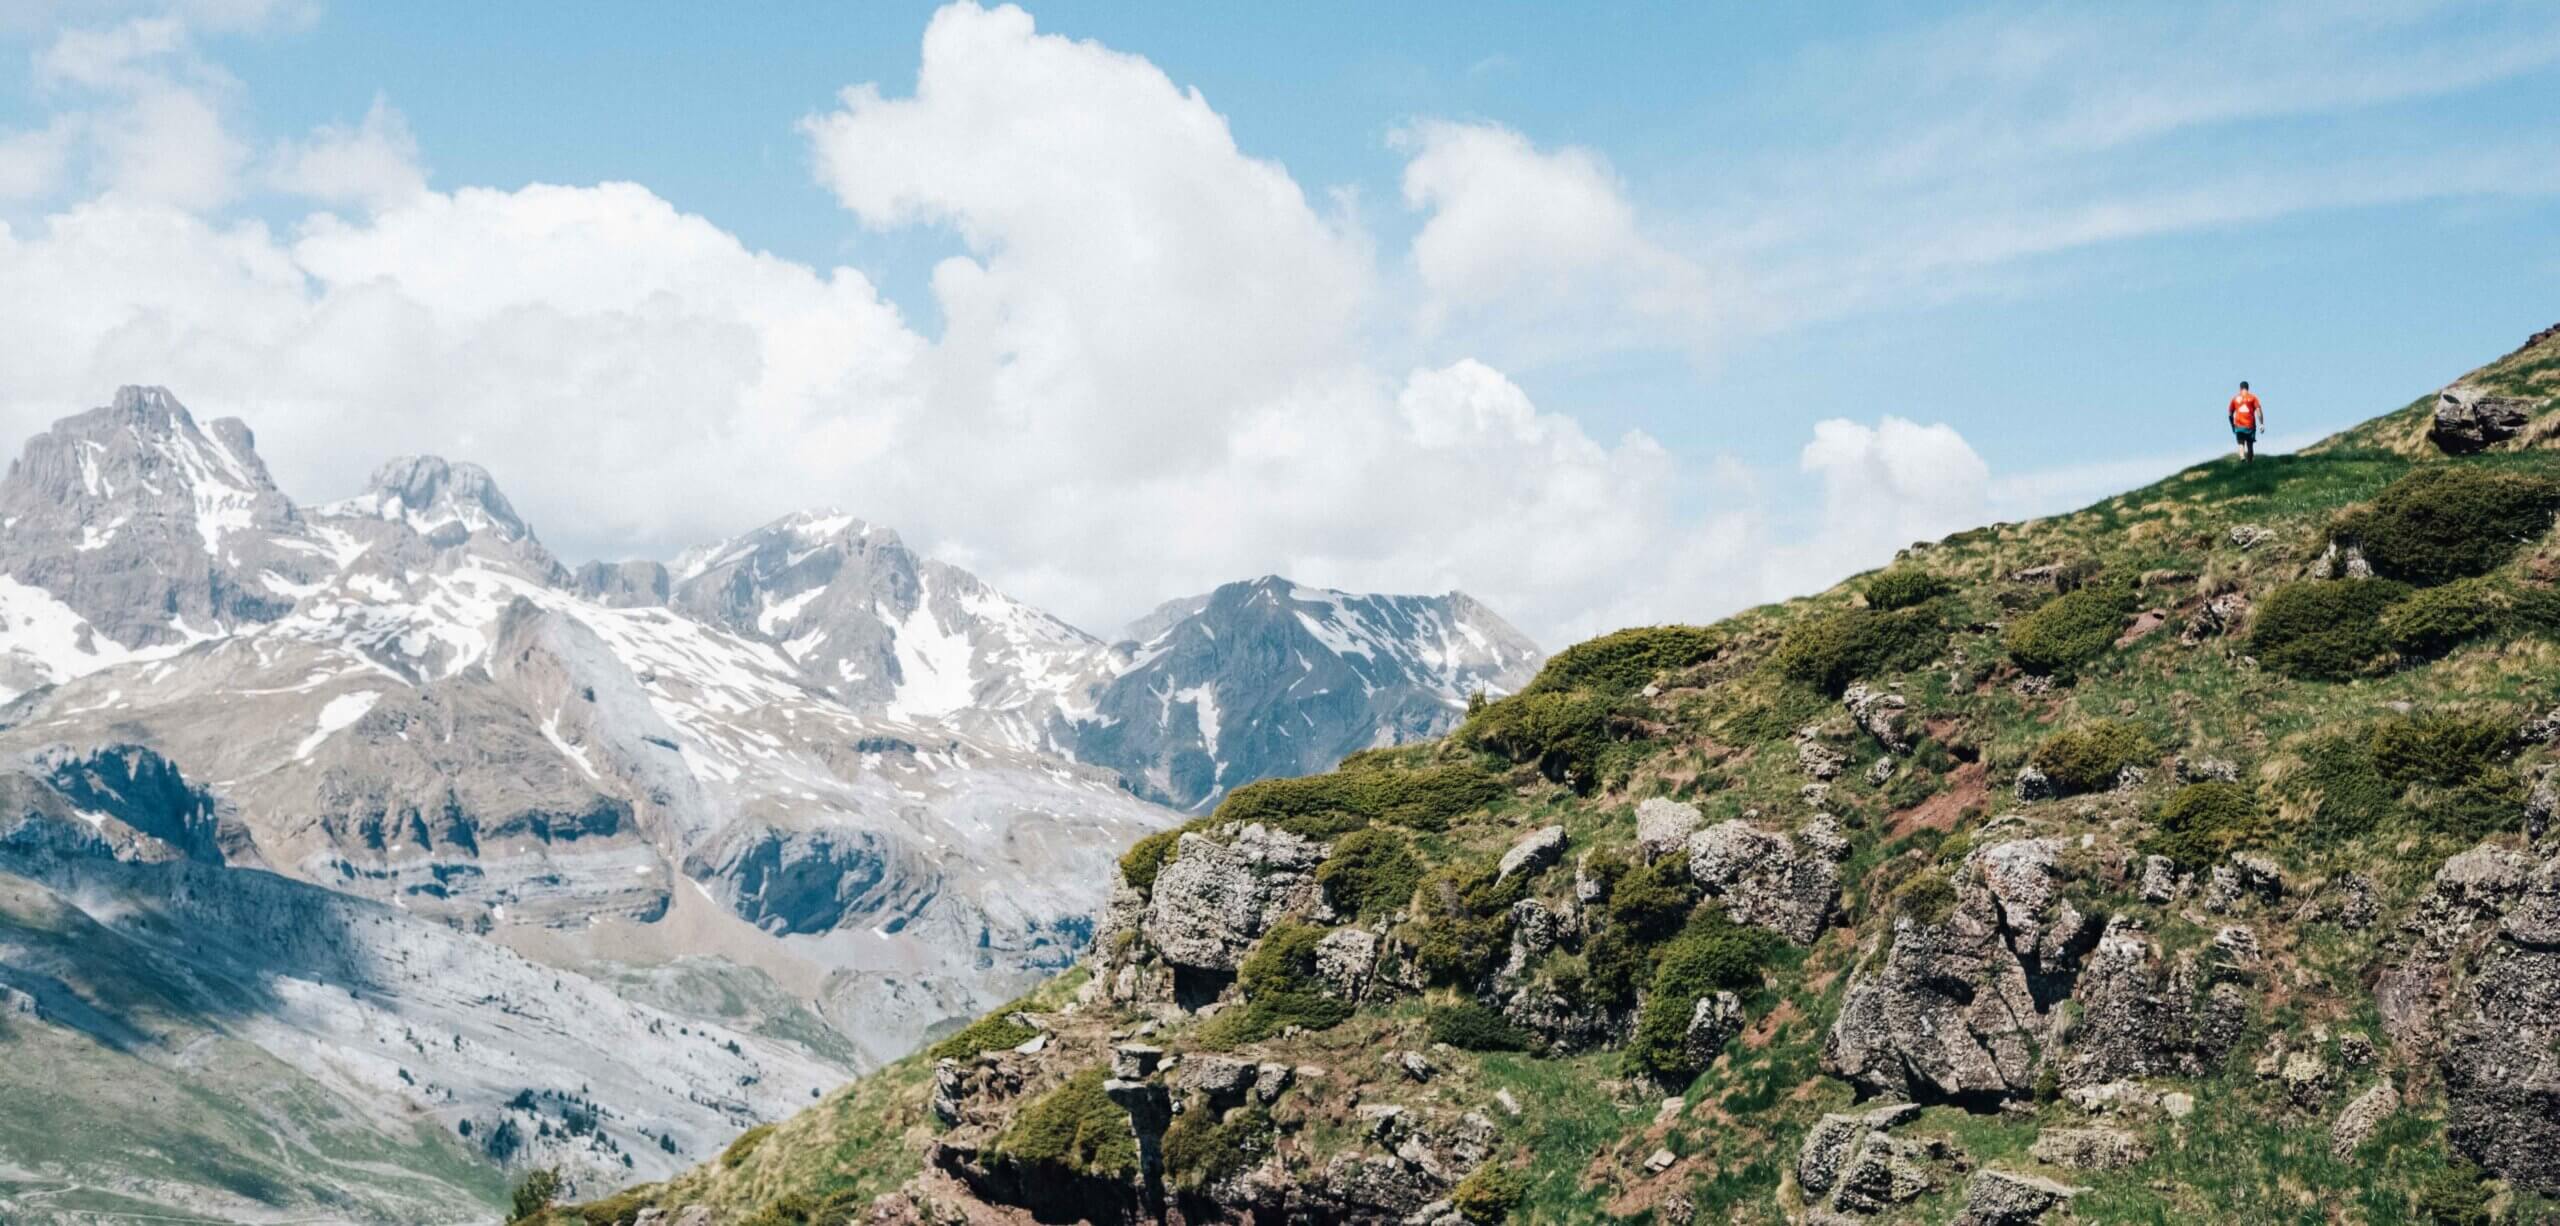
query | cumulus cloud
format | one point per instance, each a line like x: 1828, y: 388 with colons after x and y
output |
x: 373, y: 163
x: 1156, y: 367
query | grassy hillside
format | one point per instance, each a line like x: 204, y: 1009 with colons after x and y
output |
x: 2175, y: 777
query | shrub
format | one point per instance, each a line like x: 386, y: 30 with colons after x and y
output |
x: 1616, y: 665
x: 1562, y: 733
x: 2090, y: 757
x: 1462, y: 922
x: 1713, y: 954
x: 1830, y: 651
x: 2201, y: 823
x: 1928, y: 898
x: 2445, y: 750
x: 745, y: 1145
x: 1645, y: 905
x: 2347, y: 795
x: 1470, y: 1026
x: 1324, y: 806
x: 1075, y: 1126
x: 1489, y: 1193
x: 2323, y: 629
x: 1280, y: 990
x: 2069, y: 630
x: 1371, y: 871
x: 2451, y: 521
x: 994, y: 1032
x: 541, y: 1187
x: 1146, y: 857
x: 1903, y: 587
x: 1202, y: 1147
x: 2433, y: 621
x: 2535, y: 610
x: 2454, y: 1196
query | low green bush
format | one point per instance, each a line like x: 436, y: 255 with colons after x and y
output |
x: 1563, y: 733
x: 1462, y: 923
x: 2534, y: 610
x: 1645, y: 904
x: 1203, y: 1147
x: 2444, y: 750
x: 994, y: 1032
x: 1619, y: 664
x: 1075, y: 1127
x: 1341, y: 801
x: 1904, y: 587
x: 2322, y: 629
x: 541, y: 1186
x: 1713, y: 954
x: 1146, y: 857
x: 2090, y: 757
x: 2344, y: 794
x: 1371, y: 872
x: 2452, y: 520
x: 1929, y: 897
x: 1280, y: 990
x: 2433, y: 621
x: 1470, y: 1026
x: 1489, y: 1193
x: 745, y: 1145
x: 1829, y: 651
x: 2071, y: 629
x: 2201, y: 823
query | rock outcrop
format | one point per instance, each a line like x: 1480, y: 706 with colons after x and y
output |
x: 1215, y: 899
x: 2471, y: 419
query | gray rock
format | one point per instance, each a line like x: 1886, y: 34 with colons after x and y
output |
x: 1826, y: 1148
x: 1534, y: 852
x: 1663, y: 826
x: 2470, y: 419
x: 2542, y: 805
x: 2207, y: 770
x: 2307, y: 1079
x: 2357, y: 1122
x: 1712, y: 1024
x: 2003, y: 1198
x: 1271, y: 1080
x: 2161, y: 881
x: 1224, y: 1079
x: 1880, y: 773
x: 1659, y: 1161
x: 2033, y: 784
x: 2217, y: 617
x: 1766, y: 879
x: 2246, y: 537
x: 1346, y: 961
x: 1819, y: 760
x: 2543, y: 729
x: 1215, y: 899
x: 1880, y: 714
x: 2090, y: 1149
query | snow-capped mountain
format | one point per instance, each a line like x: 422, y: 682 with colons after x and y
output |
x: 806, y: 768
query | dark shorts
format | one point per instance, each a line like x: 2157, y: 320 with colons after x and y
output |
x: 2246, y: 434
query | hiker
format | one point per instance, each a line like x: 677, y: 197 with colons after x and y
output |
x: 2246, y: 417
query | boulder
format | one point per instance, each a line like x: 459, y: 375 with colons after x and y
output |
x: 1136, y: 1061
x: 2246, y: 537
x: 1712, y: 1024
x: 2161, y: 881
x: 1222, y: 1079
x: 2542, y: 805
x: 1848, y: 1163
x: 2004, y: 1198
x: 1819, y: 760
x: 1663, y: 826
x: 2217, y: 617
x: 1346, y: 960
x: 1766, y: 879
x: 1215, y: 899
x: 2090, y: 1149
x: 2207, y: 770
x: 2033, y: 784
x: 1534, y: 852
x: 2139, y: 1020
x: 2471, y: 419
x: 2361, y: 1117
x: 1880, y: 714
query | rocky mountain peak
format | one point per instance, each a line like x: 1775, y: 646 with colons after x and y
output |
x: 442, y: 500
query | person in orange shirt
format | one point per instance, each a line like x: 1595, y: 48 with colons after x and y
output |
x: 2246, y: 417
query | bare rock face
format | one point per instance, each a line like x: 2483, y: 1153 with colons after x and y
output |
x: 1958, y: 1010
x: 2090, y: 1149
x: 2138, y: 1020
x: 2470, y: 419
x: 1215, y: 899
x: 2361, y: 1117
x: 1766, y: 879
x: 1848, y: 1162
x: 1663, y: 826
x: 1346, y: 959
x: 1534, y: 852
x: 1712, y: 1024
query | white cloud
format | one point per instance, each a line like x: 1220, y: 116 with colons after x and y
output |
x: 373, y: 164
x: 32, y: 161
x: 1520, y: 240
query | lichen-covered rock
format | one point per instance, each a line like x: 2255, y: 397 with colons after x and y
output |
x: 2207, y: 770
x: 1346, y: 960
x: 2137, y: 1021
x: 1838, y: 1141
x: 2161, y: 881
x: 1819, y: 760
x: 1215, y: 899
x: 2033, y: 784
x: 1712, y: 1024
x: 2542, y: 804
x: 1885, y: 1171
x: 2004, y: 1198
x: 1534, y: 852
x: 2090, y: 1149
x: 1766, y: 879
x: 1223, y: 1079
x: 1663, y: 826
x: 1880, y: 715
x: 2361, y: 1117
x: 2471, y: 419
x: 2217, y: 617
x: 1959, y: 1008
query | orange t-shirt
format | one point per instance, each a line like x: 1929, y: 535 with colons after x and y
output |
x: 2244, y: 411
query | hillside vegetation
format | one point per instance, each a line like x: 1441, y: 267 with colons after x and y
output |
x: 2182, y: 859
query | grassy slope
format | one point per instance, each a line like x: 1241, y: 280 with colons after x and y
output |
x: 1719, y: 735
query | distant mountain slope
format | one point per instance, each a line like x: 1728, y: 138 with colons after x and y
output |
x: 2191, y: 857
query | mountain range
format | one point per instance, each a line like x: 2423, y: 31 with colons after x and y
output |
x: 488, y: 863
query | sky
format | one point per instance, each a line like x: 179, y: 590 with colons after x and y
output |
x: 1617, y: 315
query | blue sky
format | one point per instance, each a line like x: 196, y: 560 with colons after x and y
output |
x: 2044, y: 239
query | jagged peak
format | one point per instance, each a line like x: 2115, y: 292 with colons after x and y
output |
x: 434, y: 495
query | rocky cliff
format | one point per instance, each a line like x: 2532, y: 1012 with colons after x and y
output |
x: 2188, y: 857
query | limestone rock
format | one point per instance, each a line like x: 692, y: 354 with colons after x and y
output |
x: 1766, y: 879
x: 1880, y: 714
x: 1663, y: 826
x: 1712, y: 1024
x: 2090, y: 1149
x: 2004, y: 1198
x: 1819, y: 760
x: 2033, y: 784
x: 2470, y: 419
x: 2217, y: 617
x: 1534, y: 852
x: 1346, y: 960
x: 2357, y: 1122
x: 1215, y: 899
